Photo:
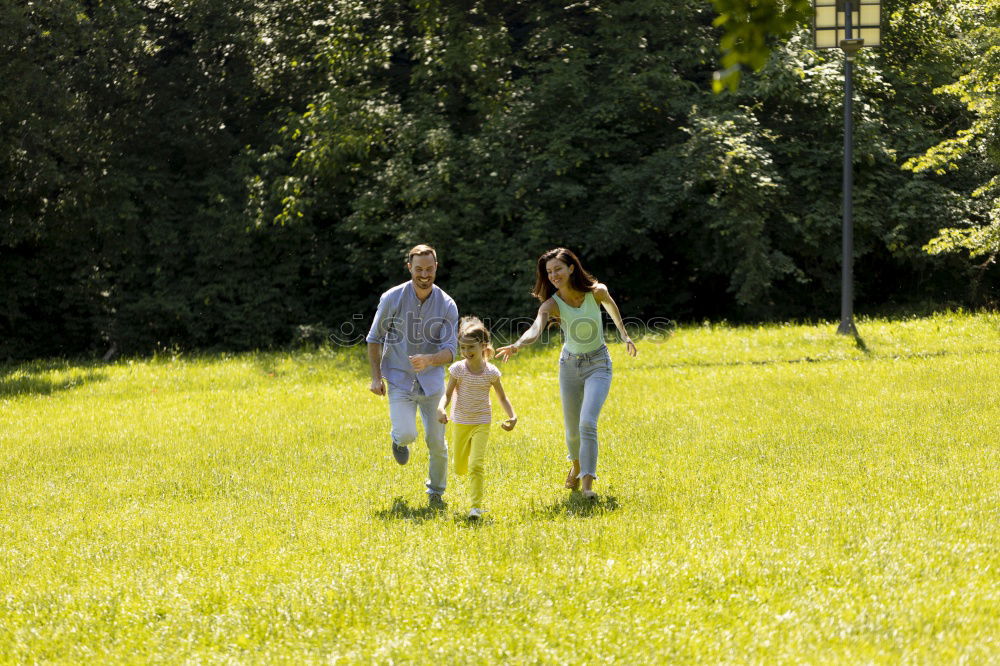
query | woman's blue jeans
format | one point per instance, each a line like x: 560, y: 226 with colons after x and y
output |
x: 584, y: 382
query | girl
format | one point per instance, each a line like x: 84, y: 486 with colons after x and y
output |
x: 470, y: 381
x: 574, y: 296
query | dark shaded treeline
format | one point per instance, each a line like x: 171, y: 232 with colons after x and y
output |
x: 221, y: 174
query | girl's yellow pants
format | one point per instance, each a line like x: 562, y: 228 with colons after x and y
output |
x: 468, y: 447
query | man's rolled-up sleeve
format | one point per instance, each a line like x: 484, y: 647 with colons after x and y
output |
x: 449, y: 338
x: 380, y: 325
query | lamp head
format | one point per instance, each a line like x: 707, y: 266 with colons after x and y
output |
x: 851, y: 47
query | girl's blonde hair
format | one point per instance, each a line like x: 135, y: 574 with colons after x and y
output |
x: 473, y: 328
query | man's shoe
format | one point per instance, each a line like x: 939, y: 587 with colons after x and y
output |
x: 400, y: 453
x: 435, y: 501
x: 475, y: 514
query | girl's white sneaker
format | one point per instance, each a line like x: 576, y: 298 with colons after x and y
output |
x: 475, y: 514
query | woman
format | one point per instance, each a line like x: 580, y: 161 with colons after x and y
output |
x: 573, y: 296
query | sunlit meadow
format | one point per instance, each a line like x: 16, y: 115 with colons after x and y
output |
x: 773, y: 494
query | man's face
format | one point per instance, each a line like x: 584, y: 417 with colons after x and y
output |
x: 422, y: 269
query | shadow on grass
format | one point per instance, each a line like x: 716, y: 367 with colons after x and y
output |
x: 577, y: 506
x: 868, y: 356
x: 266, y: 364
x: 859, y: 342
x: 401, y: 510
x: 36, y: 383
x: 462, y: 520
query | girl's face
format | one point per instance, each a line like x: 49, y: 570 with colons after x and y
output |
x: 558, y: 272
x: 471, y: 348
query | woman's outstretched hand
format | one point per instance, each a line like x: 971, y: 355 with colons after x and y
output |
x: 506, y: 352
x: 630, y: 347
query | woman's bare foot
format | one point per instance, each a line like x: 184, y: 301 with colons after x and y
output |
x: 572, y: 478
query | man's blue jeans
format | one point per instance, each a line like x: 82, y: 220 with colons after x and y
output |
x: 584, y: 382
x: 403, y: 407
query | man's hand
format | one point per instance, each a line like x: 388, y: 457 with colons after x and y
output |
x: 420, y: 362
x: 509, y: 424
x: 377, y: 386
x: 442, y: 415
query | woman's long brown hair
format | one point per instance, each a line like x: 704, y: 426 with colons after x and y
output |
x: 579, y: 279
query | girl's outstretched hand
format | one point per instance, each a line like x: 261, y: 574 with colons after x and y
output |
x: 509, y: 424
x: 506, y: 352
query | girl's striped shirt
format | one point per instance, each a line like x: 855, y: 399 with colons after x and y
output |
x: 472, y: 404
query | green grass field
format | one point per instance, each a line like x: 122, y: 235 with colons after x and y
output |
x: 769, y: 495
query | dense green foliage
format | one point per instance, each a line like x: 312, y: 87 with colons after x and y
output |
x: 125, y: 135
x: 977, y: 146
x: 236, y: 174
x: 768, y: 495
x: 750, y: 28
x: 967, y: 32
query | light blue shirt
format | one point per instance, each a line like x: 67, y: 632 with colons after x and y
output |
x: 404, y: 326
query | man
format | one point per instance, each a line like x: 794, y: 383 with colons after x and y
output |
x: 414, y: 335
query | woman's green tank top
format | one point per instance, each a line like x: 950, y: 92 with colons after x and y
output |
x: 581, y: 327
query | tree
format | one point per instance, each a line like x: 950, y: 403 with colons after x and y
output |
x: 219, y: 173
x: 59, y: 69
x: 750, y: 28
x: 976, y: 147
x: 128, y: 133
x: 514, y: 127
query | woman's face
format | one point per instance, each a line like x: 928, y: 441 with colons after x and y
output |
x: 558, y: 272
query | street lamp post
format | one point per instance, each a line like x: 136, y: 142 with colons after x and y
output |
x: 835, y: 25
